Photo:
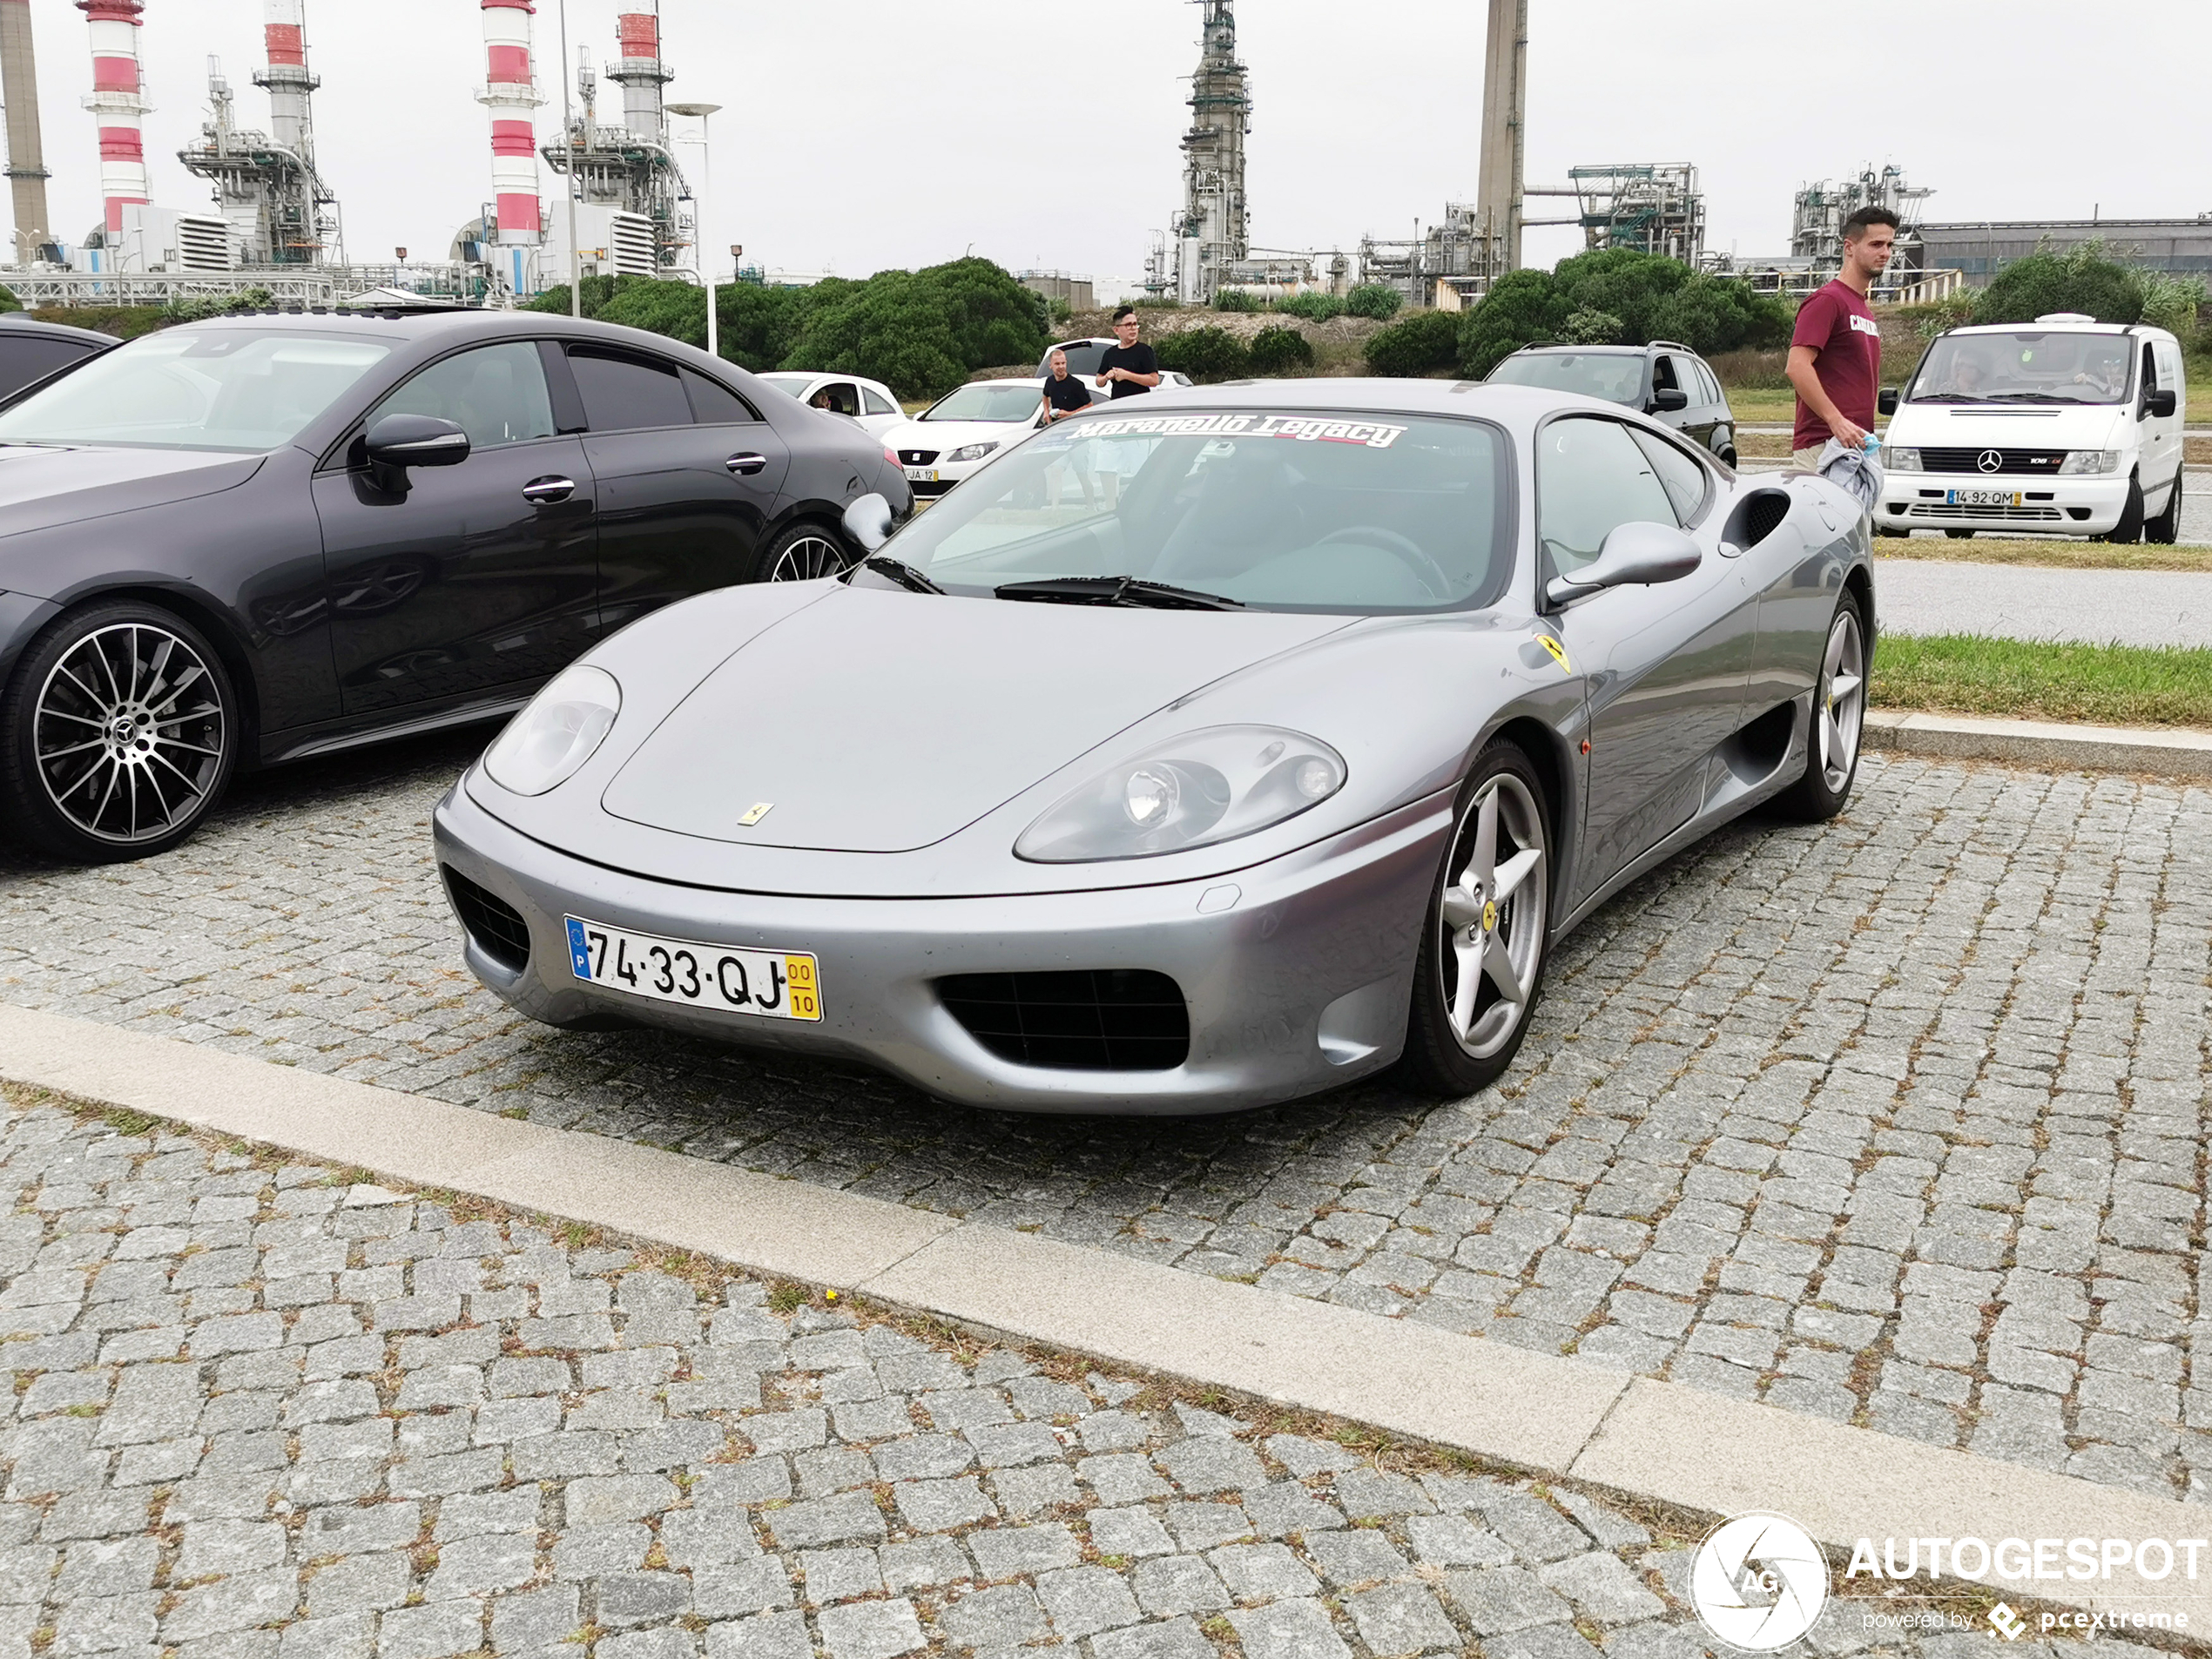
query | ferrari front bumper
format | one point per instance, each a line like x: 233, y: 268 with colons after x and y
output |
x: 1295, y: 973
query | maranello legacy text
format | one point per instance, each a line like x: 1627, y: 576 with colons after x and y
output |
x: 2026, y: 1558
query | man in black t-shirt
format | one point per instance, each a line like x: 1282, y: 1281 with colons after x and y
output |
x: 1130, y: 368
x: 1064, y: 393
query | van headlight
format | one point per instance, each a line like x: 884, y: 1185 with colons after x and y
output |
x: 2078, y: 461
x: 547, y: 743
x: 1902, y: 460
x: 1212, y: 786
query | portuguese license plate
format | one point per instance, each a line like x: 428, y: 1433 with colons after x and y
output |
x: 766, y: 984
x: 1982, y: 497
x: 921, y: 475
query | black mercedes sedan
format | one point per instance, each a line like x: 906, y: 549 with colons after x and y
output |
x: 30, y: 350
x: 266, y: 536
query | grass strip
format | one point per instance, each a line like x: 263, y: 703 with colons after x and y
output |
x: 2023, y: 680
x: 2055, y: 554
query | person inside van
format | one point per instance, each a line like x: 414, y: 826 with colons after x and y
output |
x: 2106, y: 377
x: 1969, y: 377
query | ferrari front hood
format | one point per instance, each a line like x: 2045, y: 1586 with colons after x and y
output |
x: 879, y: 722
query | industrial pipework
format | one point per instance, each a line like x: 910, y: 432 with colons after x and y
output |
x: 118, y: 102
x: 510, y: 92
x: 26, y: 149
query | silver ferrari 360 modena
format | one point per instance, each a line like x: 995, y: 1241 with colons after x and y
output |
x: 1201, y: 751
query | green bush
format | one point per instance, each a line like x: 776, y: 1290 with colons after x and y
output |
x: 1236, y: 299
x: 922, y: 331
x: 1376, y: 299
x: 1588, y: 327
x: 9, y: 303
x: 1314, y: 307
x: 1424, y: 342
x: 1278, y: 352
x: 216, y: 306
x: 2081, y: 279
x: 1650, y: 297
x: 2172, y: 302
x: 1207, y: 353
x: 598, y: 290
x: 1061, y: 310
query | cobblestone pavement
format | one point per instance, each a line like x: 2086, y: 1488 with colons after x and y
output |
x: 1899, y: 1120
x: 260, y: 1414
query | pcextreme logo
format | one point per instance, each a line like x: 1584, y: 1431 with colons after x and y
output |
x: 1758, y: 1582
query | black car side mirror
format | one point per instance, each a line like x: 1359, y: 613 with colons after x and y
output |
x: 2159, y: 406
x: 398, y: 442
x: 1669, y: 399
x: 1886, y: 403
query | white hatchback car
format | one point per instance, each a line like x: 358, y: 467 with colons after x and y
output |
x: 871, y: 403
x: 963, y: 429
x: 2063, y: 426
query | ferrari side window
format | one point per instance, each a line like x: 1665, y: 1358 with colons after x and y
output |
x: 1683, y: 479
x: 1591, y: 479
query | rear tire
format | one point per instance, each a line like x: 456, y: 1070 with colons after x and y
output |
x: 2166, y: 528
x: 2130, y: 528
x: 1960, y: 536
x: 805, y: 552
x: 1482, y: 955
x: 1832, y: 746
x: 118, y: 733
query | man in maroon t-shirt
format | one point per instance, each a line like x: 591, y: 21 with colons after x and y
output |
x: 1835, y: 350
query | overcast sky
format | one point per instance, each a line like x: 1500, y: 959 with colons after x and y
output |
x: 860, y: 134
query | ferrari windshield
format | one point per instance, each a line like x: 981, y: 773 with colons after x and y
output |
x: 227, y: 389
x: 1615, y: 376
x: 1281, y: 511
x: 986, y: 400
x: 2026, y: 366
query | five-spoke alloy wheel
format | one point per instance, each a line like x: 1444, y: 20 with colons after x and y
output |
x: 120, y: 731
x: 1838, y: 721
x: 1483, y: 953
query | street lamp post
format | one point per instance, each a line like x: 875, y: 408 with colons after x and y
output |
x: 702, y: 112
x: 568, y: 141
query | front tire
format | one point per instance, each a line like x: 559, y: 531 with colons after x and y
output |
x: 1960, y: 536
x: 1483, y: 948
x: 117, y: 734
x: 1838, y: 722
x: 2166, y: 528
x: 805, y: 552
x: 2129, y: 529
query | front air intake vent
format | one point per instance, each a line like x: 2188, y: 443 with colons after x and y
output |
x: 1105, y: 1020
x: 496, y: 926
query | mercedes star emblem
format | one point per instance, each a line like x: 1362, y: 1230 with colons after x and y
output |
x: 1990, y: 461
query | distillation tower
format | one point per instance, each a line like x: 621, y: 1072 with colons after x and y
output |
x: 1214, y: 229
x: 279, y: 210
x: 628, y: 171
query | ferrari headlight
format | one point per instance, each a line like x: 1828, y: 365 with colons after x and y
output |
x: 2090, y: 460
x: 1902, y: 460
x: 548, y: 742
x: 972, y: 451
x: 1208, y: 786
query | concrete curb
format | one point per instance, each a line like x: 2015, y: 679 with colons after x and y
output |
x: 1542, y: 1412
x: 2174, y: 752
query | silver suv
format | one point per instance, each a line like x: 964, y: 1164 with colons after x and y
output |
x: 1667, y: 381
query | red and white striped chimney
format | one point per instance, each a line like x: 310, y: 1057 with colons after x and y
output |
x: 510, y: 90
x: 284, y: 31
x: 118, y: 101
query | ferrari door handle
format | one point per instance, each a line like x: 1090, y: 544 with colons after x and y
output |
x: 746, y: 465
x: 546, y: 492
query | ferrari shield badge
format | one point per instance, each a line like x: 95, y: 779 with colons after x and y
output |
x: 1558, y: 652
x: 755, y: 812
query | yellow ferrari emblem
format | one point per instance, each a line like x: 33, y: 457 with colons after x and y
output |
x: 1558, y: 652
x: 1490, y: 917
x: 754, y: 813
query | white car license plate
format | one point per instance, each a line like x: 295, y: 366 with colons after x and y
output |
x: 1982, y: 497
x: 921, y: 475
x: 773, y: 985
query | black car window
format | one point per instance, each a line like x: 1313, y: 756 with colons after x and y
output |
x: 1662, y: 376
x: 840, y: 397
x: 494, y: 393
x: 26, y: 357
x: 1591, y: 478
x: 877, y: 404
x: 623, y: 394
x: 715, y: 404
x: 1683, y: 479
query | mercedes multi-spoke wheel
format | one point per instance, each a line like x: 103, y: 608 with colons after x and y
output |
x: 120, y: 732
x: 1482, y: 952
x: 803, y: 553
x: 1838, y: 720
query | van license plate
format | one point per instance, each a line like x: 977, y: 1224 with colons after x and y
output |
x: 1982, y: 497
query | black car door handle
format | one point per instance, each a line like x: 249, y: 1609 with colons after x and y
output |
x: 547, y: 491
x: 747, y: 465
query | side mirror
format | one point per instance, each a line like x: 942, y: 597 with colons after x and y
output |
x: 397, y: 441
x: 867, y: 521
x: 1668, y: 400
x: 1886, y: 403
x: 2159, y: 406
x: 1634, y: 555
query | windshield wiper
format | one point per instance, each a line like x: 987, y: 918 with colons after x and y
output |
x: 2028, y: 397
x: 905, y: 574
x: 1116, y: 591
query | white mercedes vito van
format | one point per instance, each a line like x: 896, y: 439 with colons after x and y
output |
x: 2063, y: 426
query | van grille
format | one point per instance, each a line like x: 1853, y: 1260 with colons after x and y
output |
x: 2042, y: 463
x: 1114, y: 1019
x: 496, y: 926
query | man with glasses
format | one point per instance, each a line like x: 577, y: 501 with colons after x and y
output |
x: 1131, y: 368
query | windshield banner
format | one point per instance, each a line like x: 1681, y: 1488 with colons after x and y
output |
x: 1308, y: 429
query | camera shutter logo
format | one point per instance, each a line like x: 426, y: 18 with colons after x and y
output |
x: 1758, y: 1582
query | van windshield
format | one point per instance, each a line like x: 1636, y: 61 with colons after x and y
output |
x: 2030, y: 365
